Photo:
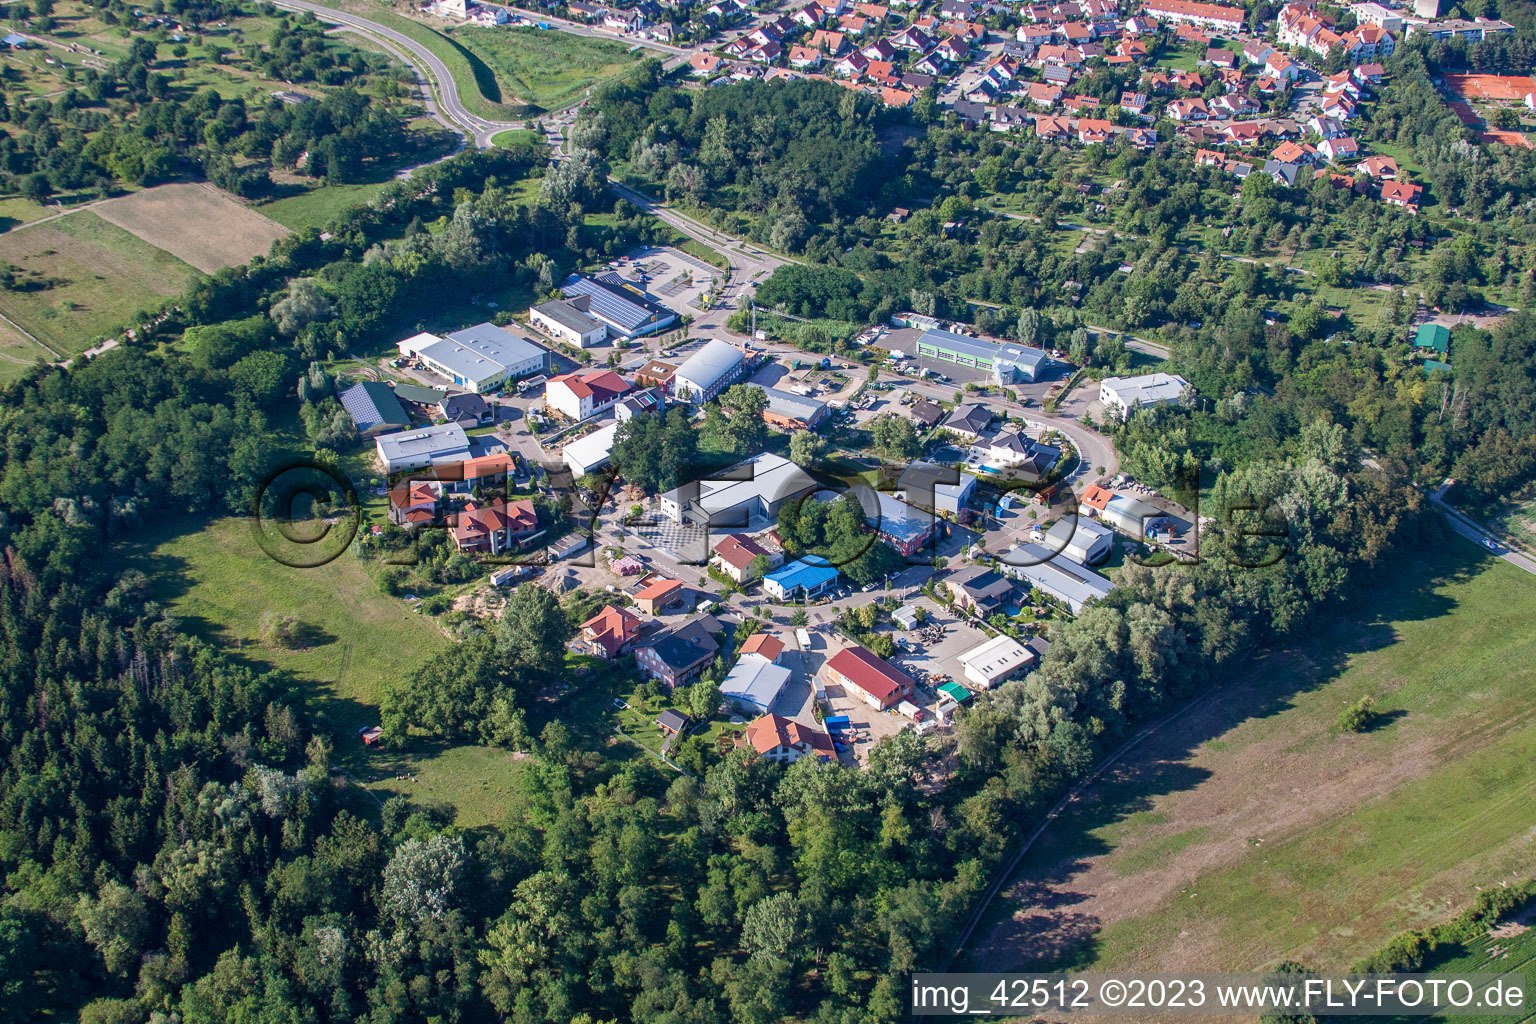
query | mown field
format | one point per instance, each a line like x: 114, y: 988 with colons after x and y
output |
x: 548, y: 69
x: 222, y: 587
x: 80, y: 276
x: 195, y: 222
x: 1251, y: 830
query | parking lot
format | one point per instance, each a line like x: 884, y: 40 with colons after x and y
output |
x: 931, y: 664
x: 671, y: 275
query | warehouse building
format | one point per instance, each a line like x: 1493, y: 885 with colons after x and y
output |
x: 479, y: 358
x: 788, y: 411
x: 1081, y: 539
x: 709, y: 371
x: 429, y: 446
x: 1120, y: 395
x: 625, y: 310
x: 1072, y: 584
x: 1005, y: 363
x: 747, y: 493
x: 996, y: 661
x: 591, y: 452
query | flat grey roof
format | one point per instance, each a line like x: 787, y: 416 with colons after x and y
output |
x: 1057, y: 575
x: 786, y: 403
x: 570, y: 313
x: 426, y: 441
x: 773, y: 477
x: 482, y: 351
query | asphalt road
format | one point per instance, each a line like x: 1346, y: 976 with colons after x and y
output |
x: 1482, y: 538
x: 440, y: 89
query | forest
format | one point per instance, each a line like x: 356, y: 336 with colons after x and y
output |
x: 136, y: 123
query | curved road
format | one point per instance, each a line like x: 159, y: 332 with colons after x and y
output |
x: 438, y: 86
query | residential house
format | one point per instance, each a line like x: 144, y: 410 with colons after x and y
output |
x: 926, y: 413
x: 969, y: 420
x: 979, y: 589
x: 1053, y: 129
x: 1188, y: 110
x: 1378, y: 167
x: 1133, y: 103
x: 1283, y: 173
x: 1211, y: 16
x: 784, y: 741
x: 1289, y: 152
x: 804, y: 57
x: 678, y: 656
x: 735, y: 554
x: 1043, y: 95
x: 414, y: 503
x: 610, y: 633
x: 764, y: 645
x: 1402, y: 194
x: 467, y: 410
x: 1281, y: 68
x: 1368, y: 43
x: 1337, y: 149
x: 492, y: 528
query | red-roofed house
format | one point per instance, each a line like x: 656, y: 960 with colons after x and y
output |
x: 413, y: 504
x: 585, y: 393
x: 1092, y: 129
x: 735, y: 554
x: 873, y: 680
x: 1402, y: 194
x: 492, y: 528
x: 609, y: 633
x: 1379, y: 167
x: 778, y: 739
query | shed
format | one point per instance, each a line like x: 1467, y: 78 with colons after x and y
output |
x: 955, y: 692
x: 672, y: 721
x: 905, y: 616
x: 1433, y: 336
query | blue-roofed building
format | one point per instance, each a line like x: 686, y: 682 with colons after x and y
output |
x: 1004, y: 363
x: 810, y: 577
x: 374, y: 408
x: 625, y: 310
